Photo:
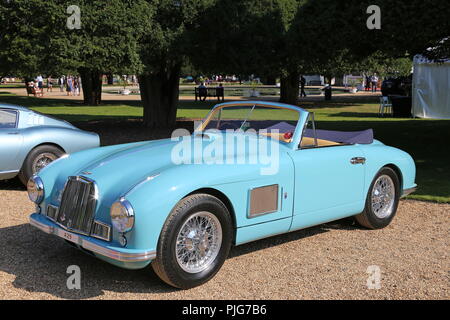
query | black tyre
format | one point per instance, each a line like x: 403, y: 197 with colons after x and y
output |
x: 382, y: 200
x: 194, y: 242
x: 37, y: 159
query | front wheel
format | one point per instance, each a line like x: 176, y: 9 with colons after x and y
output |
x: 194, y: 242
x: 382, y: 200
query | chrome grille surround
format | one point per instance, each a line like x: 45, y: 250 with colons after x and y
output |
x: 78, y: 203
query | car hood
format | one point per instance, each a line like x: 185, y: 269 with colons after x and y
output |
x: 122, y: 168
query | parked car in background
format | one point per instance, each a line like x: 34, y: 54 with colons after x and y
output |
x: 137, y: 204
x: 29, y: 141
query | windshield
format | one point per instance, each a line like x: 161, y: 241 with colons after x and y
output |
x: 275, y: 122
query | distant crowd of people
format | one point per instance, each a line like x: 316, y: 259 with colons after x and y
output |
x: 70, y: 84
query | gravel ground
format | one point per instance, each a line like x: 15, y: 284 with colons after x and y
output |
x: 325, y: 262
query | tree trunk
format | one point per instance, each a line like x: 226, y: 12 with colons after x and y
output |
x: 159, y: 95
x: 91, y: 80
x: 289, y: 90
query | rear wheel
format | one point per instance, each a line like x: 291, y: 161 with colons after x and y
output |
x: 194, y: 242
x: 382, y: 200
x: 37, y: 159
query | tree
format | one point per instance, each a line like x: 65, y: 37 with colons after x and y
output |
x: 163, y: 52
x: 384, y: 65
x: 106, y: 43
x: 407, y: 27
x: 23, y: 40
x: 36, y: 38
x: 250, y: 37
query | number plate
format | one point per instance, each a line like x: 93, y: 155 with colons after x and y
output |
x: 68, y: 236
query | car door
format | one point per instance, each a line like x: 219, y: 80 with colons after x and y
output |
x: 10, y: 141
x: 329, y: 184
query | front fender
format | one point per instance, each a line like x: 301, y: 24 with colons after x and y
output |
x: 379, y: 156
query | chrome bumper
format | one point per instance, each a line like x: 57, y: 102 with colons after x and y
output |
x: 407, y: 192
x: 91, y: 245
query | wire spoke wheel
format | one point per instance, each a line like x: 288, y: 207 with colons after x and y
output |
x: 42, y: 160
x: 198, y: 242
x: 383, y: 196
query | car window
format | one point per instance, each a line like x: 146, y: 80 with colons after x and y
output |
x: 8, y: 119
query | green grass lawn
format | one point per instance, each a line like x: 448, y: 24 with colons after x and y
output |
x: 425, y: 140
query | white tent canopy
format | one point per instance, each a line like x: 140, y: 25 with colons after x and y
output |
x: 431, y: 89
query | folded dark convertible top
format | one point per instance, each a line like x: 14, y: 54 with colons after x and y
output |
x: 354, y: 137
x: 346, y: 137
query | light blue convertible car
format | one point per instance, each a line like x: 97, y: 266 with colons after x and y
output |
x: 250, y: 170
x: 29, y: 141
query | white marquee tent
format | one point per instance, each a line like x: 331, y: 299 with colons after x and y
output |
x: 431, y: 89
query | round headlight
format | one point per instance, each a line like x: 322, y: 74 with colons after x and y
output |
x: 122, y: 215
x: 35, y: 188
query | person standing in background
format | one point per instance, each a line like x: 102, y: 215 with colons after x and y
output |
x: 367, y: 88
x: 61, y: 83
x: 49, y: 84
x: 40, y: 82
x: 76, y: 87
x: 69, y: 85
x: 302, y: 86
x: 374, y: 82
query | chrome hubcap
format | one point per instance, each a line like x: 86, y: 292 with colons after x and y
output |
x: 42, y: 161
x: 383, y: 197
x: 198, y: 242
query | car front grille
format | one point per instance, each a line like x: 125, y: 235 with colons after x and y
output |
x: 78, y: 203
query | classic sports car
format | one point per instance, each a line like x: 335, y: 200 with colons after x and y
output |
x: 166, y: 203
x: 29, y: 141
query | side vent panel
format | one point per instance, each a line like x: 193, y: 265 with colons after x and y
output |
x: 263, y: 200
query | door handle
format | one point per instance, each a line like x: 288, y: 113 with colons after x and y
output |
x: 358, y: 160
x: 13, y: 133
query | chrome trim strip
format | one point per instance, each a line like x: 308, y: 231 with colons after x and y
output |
x: 91, y: 246
x: 10, y: 171
x: 41, y: 226
x: 407, y: 192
